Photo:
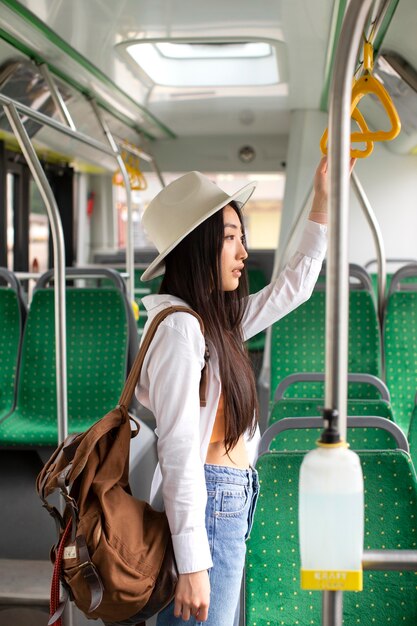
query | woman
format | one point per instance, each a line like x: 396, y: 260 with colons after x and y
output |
x: 204, y: 479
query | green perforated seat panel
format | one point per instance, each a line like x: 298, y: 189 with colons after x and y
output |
x: 412, y: 437
x: 257, y: 281
x: 298, y: 340
x: 140, y: 291
x: 10, y: 331
x: 400, y: 341
x: 97, y: 337
x: 273, y: 595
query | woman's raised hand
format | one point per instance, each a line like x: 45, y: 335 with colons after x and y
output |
x: 318, y: 211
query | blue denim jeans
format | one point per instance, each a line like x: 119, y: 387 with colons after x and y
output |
x: 231, y: 500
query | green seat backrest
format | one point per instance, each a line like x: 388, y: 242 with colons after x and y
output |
x: 273, y: 595
x: 412, y: 437
x: 400, y: 351
x: 298, y: 345
x: 10, y: 336
x: 97, y: 348
x: 305, y: 439
x: 140, y: 291
x: 257, y: 281
x: 374, y: 279
x: 305, y: 407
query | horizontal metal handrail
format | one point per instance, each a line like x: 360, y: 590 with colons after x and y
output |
x: 390, y: 560
x: 313, y: 377
x: 49, y: 121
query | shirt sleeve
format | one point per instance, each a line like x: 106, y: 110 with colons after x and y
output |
x: 174, y: 371
x: 293, y: 286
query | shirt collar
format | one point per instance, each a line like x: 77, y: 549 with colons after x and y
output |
x: 156, y: 300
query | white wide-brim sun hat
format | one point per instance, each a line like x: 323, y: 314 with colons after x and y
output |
x: 179, y: 208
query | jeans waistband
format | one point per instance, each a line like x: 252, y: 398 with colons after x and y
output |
x: 222, y: 473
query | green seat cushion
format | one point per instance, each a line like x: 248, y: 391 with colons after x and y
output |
x: 400, y: 346
x: 298, y: 345
x: 273, y: 595
x: 97, y: 346
x: 10, y: 335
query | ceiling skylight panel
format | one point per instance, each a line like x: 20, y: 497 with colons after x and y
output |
x: 207, y: 63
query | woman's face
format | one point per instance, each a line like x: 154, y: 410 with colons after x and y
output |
x: 233, y: 251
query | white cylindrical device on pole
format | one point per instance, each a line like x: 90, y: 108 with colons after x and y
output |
x: 331, y: 514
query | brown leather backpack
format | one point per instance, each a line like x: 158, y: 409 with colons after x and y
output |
x: 114, y: 554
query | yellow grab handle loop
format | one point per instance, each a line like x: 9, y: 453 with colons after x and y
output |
x: 368, y: 84
x: 364, y: 85
x: 137, y: 180
x: 135, y: 309
x: 354, y: 153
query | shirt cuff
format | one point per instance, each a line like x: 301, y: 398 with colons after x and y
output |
x: 313, y: 242
x: 192, y: 551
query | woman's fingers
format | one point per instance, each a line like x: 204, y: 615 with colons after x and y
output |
x: 202, y: 613
x: 185, y: 611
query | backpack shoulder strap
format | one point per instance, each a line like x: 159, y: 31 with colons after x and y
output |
x: 135, y: 371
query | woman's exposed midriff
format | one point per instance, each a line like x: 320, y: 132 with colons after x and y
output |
x: 237, y: 457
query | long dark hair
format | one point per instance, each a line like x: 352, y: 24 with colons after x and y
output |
x: 193, y: 273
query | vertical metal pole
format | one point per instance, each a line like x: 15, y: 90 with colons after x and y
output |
x: 130, y: 252
x: 378, y: 240
x: 3, y: 207
x: 337, y: 284
x: 332, y: 608
x: 59, y: 265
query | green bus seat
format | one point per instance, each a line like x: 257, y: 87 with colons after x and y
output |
x: 140, y: 291
x: 257, y: 281
x: 97, y: 361
x: 298, y: 340
x: 273, y: 594
x: 373, y: 438
x: 12, y: 317
x: 400, y: 346
x: 305, y: 407
x: 412, y: 436
x: 374, y: 279
x: 370, y: 432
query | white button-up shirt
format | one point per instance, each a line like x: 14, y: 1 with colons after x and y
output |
x: 169, y: 387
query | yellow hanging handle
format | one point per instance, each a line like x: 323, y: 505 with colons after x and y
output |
x: 136, y: 178
x: 364, y: 85
x: 355, y: 153
x: 368, y: 84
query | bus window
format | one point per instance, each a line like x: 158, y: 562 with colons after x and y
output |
x: 262, y: 213
x: 38, y: 231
